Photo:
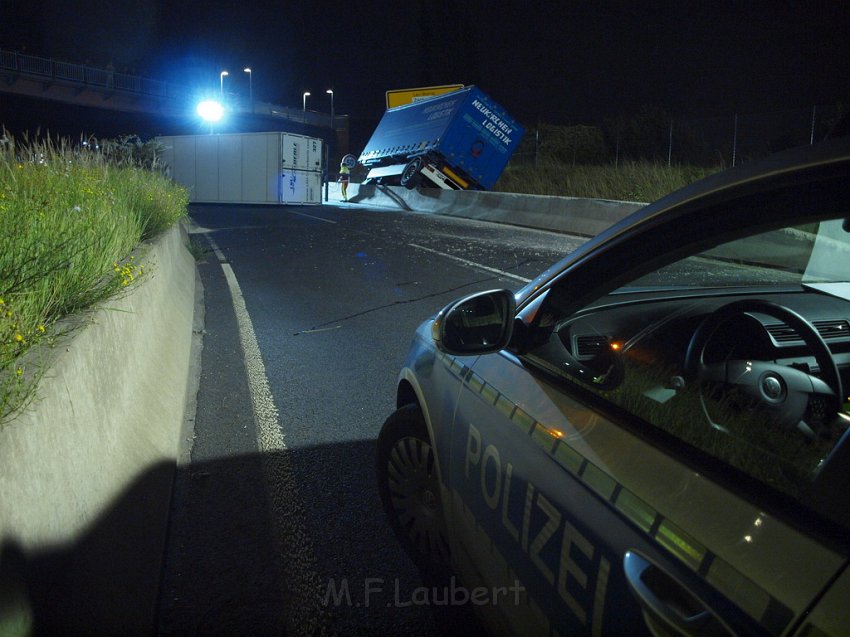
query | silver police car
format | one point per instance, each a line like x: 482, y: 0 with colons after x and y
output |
x: 652, y: 437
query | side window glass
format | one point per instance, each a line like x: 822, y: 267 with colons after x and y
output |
x: 712, y: 350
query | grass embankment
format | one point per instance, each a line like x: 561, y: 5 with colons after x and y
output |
x: 69, y: 220
x: 630, y: 181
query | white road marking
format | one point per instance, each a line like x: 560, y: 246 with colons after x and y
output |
x: 294, y: 547
x: 304, y: 214
x: 471, y: 264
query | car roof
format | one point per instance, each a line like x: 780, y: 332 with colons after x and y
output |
x: 667, y: 218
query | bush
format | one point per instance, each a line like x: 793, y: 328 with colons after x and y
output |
x: 563, y: 144
x: 630, y: 181
x: 69, y: 219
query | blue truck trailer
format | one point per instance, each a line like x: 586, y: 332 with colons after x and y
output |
x: 460, y: 141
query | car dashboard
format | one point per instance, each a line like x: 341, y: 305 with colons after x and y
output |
x: 662, y: 328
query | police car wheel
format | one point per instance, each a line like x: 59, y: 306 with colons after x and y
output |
x: 410, y: 488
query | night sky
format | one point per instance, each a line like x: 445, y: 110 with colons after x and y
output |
x: 554, y: 62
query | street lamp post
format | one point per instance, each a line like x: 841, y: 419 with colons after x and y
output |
x: 304, y: 101
x: 221, y: 82
x: 331, y: 93
x: 250, y: 87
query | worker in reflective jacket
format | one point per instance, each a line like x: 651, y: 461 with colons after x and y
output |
x: 344, y: 177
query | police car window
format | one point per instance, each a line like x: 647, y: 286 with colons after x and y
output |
x: 777, y: 257
x: 698, y: 350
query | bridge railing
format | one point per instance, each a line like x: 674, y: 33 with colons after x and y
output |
x: 66, y: 71
x: 7, y: 59
x: 105, y: 78
x: 83, y: 74
x: 37, y: 66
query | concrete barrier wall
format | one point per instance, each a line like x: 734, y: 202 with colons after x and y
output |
x: 108, y: 411
x: 572, y: 215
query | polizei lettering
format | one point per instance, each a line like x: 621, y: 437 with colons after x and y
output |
x: 574, y: 568
x: 493, y: 123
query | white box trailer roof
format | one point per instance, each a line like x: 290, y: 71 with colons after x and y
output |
x: 246, y: 167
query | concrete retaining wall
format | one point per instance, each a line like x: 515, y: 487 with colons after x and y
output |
x: 86, y: 471
x: 572, y: 215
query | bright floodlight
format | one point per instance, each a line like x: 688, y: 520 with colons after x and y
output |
x: 210, y: 110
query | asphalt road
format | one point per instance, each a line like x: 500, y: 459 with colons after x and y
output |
x: 277, y: 527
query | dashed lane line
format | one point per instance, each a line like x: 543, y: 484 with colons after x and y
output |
x: 294, y: 547
x: 304, y: 214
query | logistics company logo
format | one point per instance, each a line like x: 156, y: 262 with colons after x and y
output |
x: 376, y: 591
x: 499, y: 128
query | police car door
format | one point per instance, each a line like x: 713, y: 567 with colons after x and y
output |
x: 575, y: 525
x: 605, y: 525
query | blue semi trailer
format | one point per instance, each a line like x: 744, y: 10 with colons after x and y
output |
x: 460, y: 140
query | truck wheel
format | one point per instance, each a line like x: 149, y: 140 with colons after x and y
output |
x: 410, y: 177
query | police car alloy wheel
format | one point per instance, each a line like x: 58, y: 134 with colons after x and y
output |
x: 410, y: 489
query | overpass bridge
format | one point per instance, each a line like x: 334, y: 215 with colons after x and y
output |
x: 86, y: 87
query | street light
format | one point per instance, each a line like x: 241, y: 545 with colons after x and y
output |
x: 331, y: 93
x: 250, y: 87
x: 304, y: 106
x: 210, y: 111
x: 221, y: 82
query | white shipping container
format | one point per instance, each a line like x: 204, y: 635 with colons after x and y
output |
x: 206, y: 168
x: 245, y: 167
x: 230, y: 169
x: 260, y: 161
x: 301, y: 153
x: 300, y: 186
x: 315, y: 154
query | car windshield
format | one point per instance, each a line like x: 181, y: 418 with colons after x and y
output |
x: 815, y: 254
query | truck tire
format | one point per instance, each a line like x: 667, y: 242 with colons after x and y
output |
x: 410, y: 177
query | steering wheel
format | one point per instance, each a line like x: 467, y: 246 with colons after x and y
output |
x: 782, y: 393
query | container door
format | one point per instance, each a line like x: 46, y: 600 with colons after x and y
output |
x: 301, y: 186
x: 314, y: 154
x: 295, y: 152
x: 293, y: 186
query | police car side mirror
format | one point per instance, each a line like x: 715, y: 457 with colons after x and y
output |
x: 481, y: 323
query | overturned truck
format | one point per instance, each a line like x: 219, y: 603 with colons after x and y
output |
x: 459, y: 141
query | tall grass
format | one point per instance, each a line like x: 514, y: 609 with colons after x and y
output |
x: 630, y: 181
x: 69, y: 219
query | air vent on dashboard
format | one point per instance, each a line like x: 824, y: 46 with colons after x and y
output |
x: 829, y: 330
x: 590, y: 345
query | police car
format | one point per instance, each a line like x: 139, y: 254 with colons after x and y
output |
x: 652, y: 437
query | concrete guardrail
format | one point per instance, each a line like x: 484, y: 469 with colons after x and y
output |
x: 572, y: 215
